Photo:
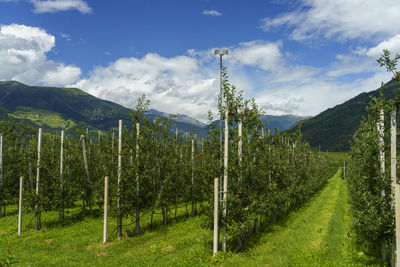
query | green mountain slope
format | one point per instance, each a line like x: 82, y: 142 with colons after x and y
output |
x: 333, y: 129
x: 66, y: 107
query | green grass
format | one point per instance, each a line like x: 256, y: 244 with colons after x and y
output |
x: 79, y: 243
x: 318, y: 234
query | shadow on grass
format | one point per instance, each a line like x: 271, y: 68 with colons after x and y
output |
x: 158, y: 225
x: 70, y: 217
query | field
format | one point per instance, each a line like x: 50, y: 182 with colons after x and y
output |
x: 317, y: 234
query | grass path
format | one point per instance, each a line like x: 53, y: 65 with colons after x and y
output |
x: 319, y: 234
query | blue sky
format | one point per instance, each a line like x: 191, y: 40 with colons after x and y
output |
x: 292, y: 56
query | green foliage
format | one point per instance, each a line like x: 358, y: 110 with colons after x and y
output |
x: 370, y: 189
x: 277, y: 173
x: 370, y: 186
x: 389, y: 64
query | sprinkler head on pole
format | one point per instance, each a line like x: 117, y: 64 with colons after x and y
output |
x: 221, y: 52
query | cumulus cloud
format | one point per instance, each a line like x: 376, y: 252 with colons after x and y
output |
x: 264, y: 55
x: 211, y: 13
x: 23, y: 57
x: 54, y: 6
x: 174, y: 85
x: 341, y: 19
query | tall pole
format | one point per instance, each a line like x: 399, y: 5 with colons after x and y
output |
x: 215, y: 243
x: 240, y: 148
x: 137, y: 229
x: 224, y: 190
x: 192, y: 188
x: 395, y: 188
x: 37, y: 212
x: 21, y: 188
x: 105, y: 210
x: 381, y: 143
x: 119, y: 216
x: 61, y: 211
x: 220, y: 118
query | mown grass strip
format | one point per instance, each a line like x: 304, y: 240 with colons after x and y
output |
x: 319, y: 234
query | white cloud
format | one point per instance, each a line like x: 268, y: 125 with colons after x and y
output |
x: 211, y: 13
x: 257, y: 53
x: 393, y: 45
x: 23, y: 57
x: 174, y: 85
x: 341, y: 19
x: 54, y: 6
x: 189, y: 84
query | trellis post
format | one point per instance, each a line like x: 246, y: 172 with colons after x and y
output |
x: 21, y: 188
x: 395, y: 187
x: 61, y: 211
x: 215, y: 244
x: 137, y: 229
x: 37, y: 213
x: 105, y: 224
x: 119, y: 217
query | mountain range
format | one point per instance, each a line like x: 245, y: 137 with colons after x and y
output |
x: 334, y: 128
x: 56, y: 108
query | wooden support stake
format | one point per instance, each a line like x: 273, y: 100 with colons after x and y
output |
x: 61, y: 211
x: 216, y: 241
x: 240, y: 148
x: 192, y: 189
x: 381, y: 143
x: 105, y: 210
x: 21, y: 188
x: 37, y: 213
x: 137, y: 229
x: 119, y: 216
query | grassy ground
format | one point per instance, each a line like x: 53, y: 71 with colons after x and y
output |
x: 318, y: 234
x: 79, y: 242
